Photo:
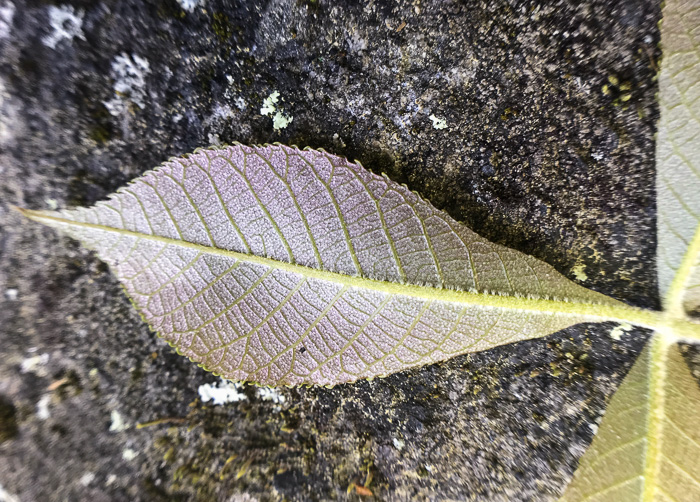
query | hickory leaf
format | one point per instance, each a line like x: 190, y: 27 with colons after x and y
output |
x: 678, y: 159
x: 284, y: 266
x: 648, y: 445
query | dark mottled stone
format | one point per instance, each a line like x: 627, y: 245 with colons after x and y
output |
x: 8, y: 420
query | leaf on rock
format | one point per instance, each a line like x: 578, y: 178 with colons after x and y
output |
x: 285, y: 266
x: 678, y: 158
x: 648, y: 444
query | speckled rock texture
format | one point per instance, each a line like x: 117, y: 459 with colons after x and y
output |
x: 550, y: 113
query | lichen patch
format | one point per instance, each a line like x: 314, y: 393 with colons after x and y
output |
x: 280, y: 120
x: 66, y: 24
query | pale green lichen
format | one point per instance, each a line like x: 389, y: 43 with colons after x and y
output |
x: 270, y: 104
x: 190, y: 5
x: 42, y: 407
x: 66, y: 24
x: 87, y: 478
x: 222, y: 393
x: 35, y: 364
x: 619, y: 330
x: 129, y: 74
x: 438, y: 122
x: 279, y: 120
x: 579, y: 272
x: 118, y: 424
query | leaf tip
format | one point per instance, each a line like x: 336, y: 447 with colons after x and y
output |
x: 20, y: 210
x: 29, y: 213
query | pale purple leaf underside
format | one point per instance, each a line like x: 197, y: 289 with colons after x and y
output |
x: 285, y: 266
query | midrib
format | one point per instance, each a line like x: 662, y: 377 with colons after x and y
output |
x: 591, y: 311
x: 657, y: 381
